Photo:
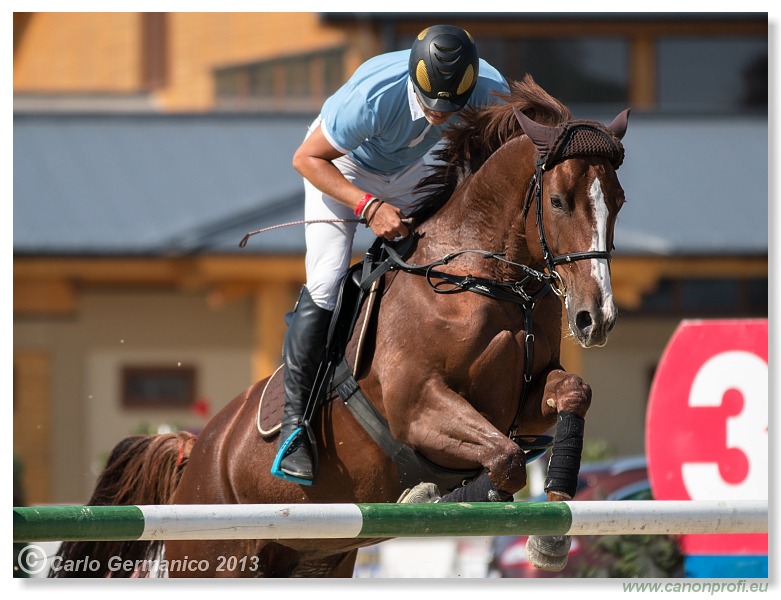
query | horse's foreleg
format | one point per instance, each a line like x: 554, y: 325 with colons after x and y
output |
x: 450, y: 432
x: 570, y: 397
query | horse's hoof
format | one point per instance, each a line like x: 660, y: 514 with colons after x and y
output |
x: 548, y: 552
x: 421, y: 493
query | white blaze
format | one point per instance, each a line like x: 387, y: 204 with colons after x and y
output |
x: 600, y: 268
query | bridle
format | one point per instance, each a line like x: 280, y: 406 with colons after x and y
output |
x: 534, y: 193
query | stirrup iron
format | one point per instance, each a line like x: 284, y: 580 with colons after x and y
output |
x: 276, y: 471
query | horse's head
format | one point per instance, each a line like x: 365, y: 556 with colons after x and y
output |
x: 577, y: 197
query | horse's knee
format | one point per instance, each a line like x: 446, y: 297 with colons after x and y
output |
x: 572, y: 394
x: 507, y: 470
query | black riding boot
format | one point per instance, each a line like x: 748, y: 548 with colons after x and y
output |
x: 302, y: 351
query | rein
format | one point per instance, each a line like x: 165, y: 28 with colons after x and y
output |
x: 511, y: 291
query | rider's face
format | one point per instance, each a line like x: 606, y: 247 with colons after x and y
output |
x: 434, y: 117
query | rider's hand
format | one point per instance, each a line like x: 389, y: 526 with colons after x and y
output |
x: 386, y: 221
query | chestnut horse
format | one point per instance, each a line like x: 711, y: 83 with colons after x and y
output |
x: 523, y: 204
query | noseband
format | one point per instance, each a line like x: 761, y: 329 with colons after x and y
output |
x: 577, y: 138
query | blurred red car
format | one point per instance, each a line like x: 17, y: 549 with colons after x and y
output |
x: 622, y: 479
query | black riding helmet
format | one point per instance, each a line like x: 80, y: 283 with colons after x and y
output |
x: 443, y: 66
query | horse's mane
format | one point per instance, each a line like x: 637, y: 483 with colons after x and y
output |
x: 479, y: 132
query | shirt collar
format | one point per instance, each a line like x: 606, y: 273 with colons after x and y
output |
x: 416, y: 112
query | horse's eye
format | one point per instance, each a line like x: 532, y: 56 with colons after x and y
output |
x: 556, y: 202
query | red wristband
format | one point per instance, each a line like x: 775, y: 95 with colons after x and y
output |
x: 362, y: 204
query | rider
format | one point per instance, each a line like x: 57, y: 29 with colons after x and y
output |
x: 363, y: 157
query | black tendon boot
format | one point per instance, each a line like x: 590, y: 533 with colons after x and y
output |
x: 302, y: 351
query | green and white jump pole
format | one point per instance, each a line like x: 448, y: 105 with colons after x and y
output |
x: 309, y: 521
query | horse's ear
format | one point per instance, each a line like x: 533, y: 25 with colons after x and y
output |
x: 541, y: 135
x: 620, y: 123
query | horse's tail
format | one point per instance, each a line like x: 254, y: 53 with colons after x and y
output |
x: 142, y: 469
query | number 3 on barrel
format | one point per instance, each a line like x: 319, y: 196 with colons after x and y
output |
x: 746, y: 374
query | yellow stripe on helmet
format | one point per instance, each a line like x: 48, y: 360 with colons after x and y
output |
x: 421, y: 74
x: 466, y: 81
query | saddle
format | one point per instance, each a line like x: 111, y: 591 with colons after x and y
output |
x: 352, y: 326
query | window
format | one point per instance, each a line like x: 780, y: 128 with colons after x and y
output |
x: 229, y: 87
x: 577, y: 71
x: 712, y: 74
x: 708, y: 297
x: 297, y: 77
x: 291, y: 83
x: 261, y: 80
x: 158, y: 387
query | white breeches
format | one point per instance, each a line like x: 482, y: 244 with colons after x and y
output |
x: 329, y: 245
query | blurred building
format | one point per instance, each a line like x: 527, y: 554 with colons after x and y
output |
x: 147, y: 144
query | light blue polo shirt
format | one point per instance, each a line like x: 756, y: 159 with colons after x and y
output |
x: 376, y: 120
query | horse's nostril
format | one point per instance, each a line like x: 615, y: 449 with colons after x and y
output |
x: 583, y: 320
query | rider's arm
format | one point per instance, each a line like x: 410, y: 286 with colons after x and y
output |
x: 313, y: 160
